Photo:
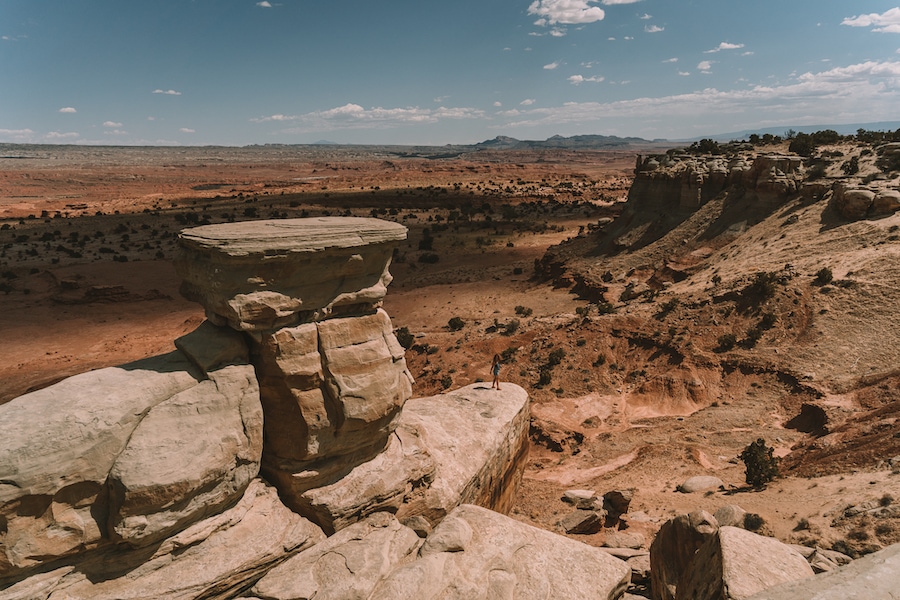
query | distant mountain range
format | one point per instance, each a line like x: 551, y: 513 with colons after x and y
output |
x: 576, y: 142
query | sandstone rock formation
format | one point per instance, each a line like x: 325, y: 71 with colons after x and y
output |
x: 141, y: 481
x: 468, y: 445
x: 332, y: 375
x: 734, y: 564
x: 128, y: 454
x: 215, y: 558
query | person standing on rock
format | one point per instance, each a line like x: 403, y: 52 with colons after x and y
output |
x: 495, y: 371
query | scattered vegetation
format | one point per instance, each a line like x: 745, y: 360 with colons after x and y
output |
x: 760, y: 463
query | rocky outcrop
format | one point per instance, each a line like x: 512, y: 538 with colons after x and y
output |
x: 464, y: 446
x: 687, y: 182
x: 215, y: 558
x: 130, y: 454
x: 734, y: 564
x: 141, y: 481
x: 332, y: 376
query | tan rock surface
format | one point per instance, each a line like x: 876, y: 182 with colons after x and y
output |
x: 674, y: 549
x: 734, y: 564
x: 465, y: 446
x: 131, y: 453
x: 486, y: 555
x: 213, y: 559
x: 868, y: 578
x: 347, y: 565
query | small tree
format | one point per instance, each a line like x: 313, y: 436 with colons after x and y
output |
x: 760, y: 465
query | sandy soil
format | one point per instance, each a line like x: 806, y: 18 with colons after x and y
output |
x: 637, y: 400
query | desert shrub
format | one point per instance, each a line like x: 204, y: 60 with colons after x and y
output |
x: 429, y: 258
x: 507, y: 354
x: 802, y: 144
x: 605, y: 308
x: 511, y: 327
x: 851, y: 167
x: 544, y: 378
x: 523, y: 311
x: 455, y: 324
x: 760, y: 464
x: 767, y: 321
x: 404, y: 337
x: 762, y: 287
x: 600, y: 360
x: 446, y: 381
x: 726, y: 342
x: 824, y: 276
x: 580, y: 342
x: 753, y: 522
x: 555, y: 357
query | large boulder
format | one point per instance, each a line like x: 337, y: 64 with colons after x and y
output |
x: 674, y: 548
x: 464, y: 446
x: 215, y: 558
x: 477, y: 553
x: 262, y: 275
x: 734, y: 564
x: 867, y: 578
x: 128, y: 454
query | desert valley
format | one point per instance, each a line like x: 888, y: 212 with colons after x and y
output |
x: 663, y: 308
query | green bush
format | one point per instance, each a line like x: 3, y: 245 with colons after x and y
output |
x: 760, y: 464
x: 404, y: 337
x: 455, y: 324
x: 824, y: 276
x: 726, y: 341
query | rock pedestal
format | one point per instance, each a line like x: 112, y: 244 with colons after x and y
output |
x: 307, y: 291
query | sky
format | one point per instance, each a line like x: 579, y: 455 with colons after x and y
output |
x: 240, y: 72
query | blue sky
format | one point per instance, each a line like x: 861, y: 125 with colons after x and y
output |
x: 236, y: 72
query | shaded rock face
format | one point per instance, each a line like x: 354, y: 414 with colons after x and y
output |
x: 332, y: 375
x: 673, y: 551
x: 128, y: 455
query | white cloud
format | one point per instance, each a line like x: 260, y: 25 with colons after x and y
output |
x: 167, y: 92
x: 264, y: 4
x: 187, y: 130
x: 579, y: 79
x: 684, y: 73
x: 115, y: 132
x: 56, y: 135
x: 558, y: 32
x: 864, y: 92
x: 645, y: 17
x: 112, y: 124
x: 704, y: 66
x: 654, y: 29
x: 628, y: 37
x: 527, y: 102
x: 498, y: 104
x: 68, y: 110
x: 354, y: 116
x: 724, y: 46
x: 551, y: 66
x: 671, y: 60
x: 615, y: 2
x: 567, y: 12
x: 16, y: 135
x: 886, y: 22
